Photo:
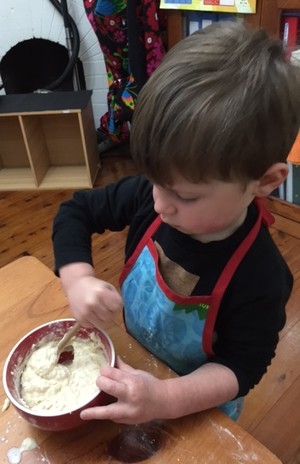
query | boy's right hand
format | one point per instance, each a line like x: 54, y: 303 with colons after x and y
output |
x: 92, y: 301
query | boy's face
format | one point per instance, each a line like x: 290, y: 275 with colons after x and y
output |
x: 206, y: 211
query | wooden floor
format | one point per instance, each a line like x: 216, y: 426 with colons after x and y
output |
x: 272, y: 411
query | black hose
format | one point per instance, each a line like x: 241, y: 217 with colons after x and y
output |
x: 68, y: 21
x: 65, y: 13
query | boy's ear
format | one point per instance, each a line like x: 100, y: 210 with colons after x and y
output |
x: 272, y: 178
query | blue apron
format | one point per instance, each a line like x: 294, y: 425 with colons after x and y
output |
x: 177, y: 329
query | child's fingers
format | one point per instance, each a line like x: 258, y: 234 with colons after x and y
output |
x: 123, y: 366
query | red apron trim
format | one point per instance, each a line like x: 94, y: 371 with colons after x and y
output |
x: 179, y: 299
x: 228, y: 272
x: 146, y: 237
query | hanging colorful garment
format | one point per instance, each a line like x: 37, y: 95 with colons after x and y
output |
x: 130, y: 37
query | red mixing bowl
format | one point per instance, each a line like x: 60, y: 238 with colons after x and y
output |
x: 15, y: 362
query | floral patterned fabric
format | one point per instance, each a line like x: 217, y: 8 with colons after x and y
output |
x: 130, y: 37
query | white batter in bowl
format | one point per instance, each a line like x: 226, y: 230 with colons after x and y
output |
x: 48, y: 386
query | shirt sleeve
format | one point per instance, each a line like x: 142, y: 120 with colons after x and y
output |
x: 253, y: 313
x: 94, y: 211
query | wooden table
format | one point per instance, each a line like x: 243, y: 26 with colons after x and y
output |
x: 31, y: 295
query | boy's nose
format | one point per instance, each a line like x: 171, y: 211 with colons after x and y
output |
x: 163, y: 202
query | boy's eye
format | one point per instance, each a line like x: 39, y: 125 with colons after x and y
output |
x: 186, y: 200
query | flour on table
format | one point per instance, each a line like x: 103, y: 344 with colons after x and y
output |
x: 5, y: 405
x: 14, y: 455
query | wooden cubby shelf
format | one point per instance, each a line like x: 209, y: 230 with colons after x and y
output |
x: 47, y: 141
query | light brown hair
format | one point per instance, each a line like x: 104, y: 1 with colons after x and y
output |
x: 223, y: 104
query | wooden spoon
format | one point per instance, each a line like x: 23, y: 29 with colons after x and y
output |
x: 62, y: 344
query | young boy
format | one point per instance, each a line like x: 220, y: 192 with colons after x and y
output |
x: 204, y: 287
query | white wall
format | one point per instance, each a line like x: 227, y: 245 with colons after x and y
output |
x: 26, y: 19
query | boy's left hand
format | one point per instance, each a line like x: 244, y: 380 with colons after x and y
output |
x: 138, y: 395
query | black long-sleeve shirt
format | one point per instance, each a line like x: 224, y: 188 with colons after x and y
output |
x: 252, y: 311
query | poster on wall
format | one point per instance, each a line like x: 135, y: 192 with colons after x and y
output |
x: 225, y: 6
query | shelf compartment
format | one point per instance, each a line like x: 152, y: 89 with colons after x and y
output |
x: 51, y: 143
x: 15, y: 166
x: 16, y: 179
